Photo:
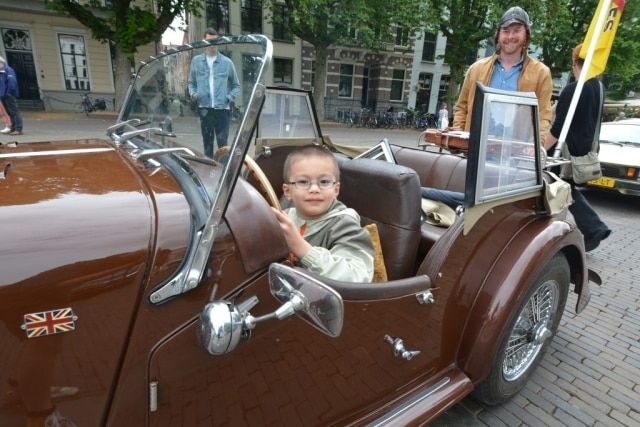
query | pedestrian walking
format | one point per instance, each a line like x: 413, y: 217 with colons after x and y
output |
x: 580, y: 139
x: 8, y: 94
x: 443, y: 117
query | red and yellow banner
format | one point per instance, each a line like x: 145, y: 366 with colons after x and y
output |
x: 604, y: 36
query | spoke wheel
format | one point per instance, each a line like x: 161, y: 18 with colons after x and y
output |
x: 531, y: 330
x: 533, y: 325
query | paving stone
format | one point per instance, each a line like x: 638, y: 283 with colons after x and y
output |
x: 623, y: 418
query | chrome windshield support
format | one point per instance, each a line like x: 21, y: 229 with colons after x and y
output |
x: 121, y: 139
x: 146, y: 154
x: 114, y: 128
x: 193, y: 269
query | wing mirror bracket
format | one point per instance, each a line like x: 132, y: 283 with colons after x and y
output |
x: 223, y: 324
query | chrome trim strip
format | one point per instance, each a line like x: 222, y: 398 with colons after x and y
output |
x: 389, y: 418
x: 55, y: 152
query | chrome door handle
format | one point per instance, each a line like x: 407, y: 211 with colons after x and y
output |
x: 398, y: 348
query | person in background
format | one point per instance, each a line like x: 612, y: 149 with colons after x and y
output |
x: 214, y: 86
x: 443, y: 117
x: 5, y: 118
x: 8, y: 94
x: 323, y: 235
x: 579, y: 142
x: 509, y: 68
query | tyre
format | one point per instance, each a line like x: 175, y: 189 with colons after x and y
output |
x: 530, y: 331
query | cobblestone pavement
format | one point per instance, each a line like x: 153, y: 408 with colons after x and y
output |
x: 590, y: 376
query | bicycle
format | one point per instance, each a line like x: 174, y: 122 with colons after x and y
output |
x: 89, y: 105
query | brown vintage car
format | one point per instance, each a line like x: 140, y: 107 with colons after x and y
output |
x: 142, y: 283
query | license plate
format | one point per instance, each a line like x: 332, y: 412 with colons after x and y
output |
x: 603, y: 182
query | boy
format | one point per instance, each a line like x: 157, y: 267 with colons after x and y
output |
x: 323, y: 234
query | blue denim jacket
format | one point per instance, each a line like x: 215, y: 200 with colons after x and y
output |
x: 8, y: 82
x: 225, y: 78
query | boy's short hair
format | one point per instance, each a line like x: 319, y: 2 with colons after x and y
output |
x: 309, y: 151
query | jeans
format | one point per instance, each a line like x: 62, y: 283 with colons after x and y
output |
x: 214, y: 124
x: 11, y: 105
x: 451, y: 198
x: 587, y: 220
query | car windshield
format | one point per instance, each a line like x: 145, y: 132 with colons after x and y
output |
x: 624, y: 133
x: 162, y: 123
x: 160, y: 97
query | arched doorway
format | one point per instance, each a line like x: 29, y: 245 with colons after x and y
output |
x: 17, y: 46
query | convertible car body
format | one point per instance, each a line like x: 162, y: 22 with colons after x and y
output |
x: 144, y: 284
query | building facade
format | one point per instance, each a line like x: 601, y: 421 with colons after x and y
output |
x: 55, y: 58
x: 406, y: 73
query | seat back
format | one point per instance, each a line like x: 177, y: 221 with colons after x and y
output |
x: 436, y: 170
x: 388, y: 195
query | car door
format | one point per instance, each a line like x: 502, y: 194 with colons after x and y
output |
x: 289, y: 371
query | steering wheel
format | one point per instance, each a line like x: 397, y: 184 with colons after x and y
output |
x: 265, y: 187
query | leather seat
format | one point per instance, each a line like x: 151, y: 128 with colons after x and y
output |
x: 388, y: 195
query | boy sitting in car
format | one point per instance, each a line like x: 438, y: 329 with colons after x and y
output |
x: 323, y: 235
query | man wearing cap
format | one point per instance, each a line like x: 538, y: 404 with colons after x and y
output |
x: 8, y: 94
x: 509, y: 68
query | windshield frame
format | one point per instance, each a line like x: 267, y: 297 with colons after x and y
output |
x: 191, y: 272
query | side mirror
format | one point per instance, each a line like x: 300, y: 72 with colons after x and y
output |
x: 223, y: 324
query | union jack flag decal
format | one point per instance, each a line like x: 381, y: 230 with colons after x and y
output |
x: 49, y: 322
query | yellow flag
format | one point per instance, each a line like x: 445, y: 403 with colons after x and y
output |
x: 604, y: 36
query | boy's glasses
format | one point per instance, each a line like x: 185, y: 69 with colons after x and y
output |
x: 305, y: 184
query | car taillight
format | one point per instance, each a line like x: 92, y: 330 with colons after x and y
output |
x: 632, y: 172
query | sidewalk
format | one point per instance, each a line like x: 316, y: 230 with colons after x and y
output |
x: 45, y: 126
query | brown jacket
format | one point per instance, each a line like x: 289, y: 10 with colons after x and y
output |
x: 534, y: 77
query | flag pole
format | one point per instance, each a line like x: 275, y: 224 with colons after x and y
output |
x: 604, y: 10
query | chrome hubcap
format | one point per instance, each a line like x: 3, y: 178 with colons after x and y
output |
x: 531, y: 330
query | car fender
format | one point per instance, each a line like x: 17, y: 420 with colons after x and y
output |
x: 506, y: 283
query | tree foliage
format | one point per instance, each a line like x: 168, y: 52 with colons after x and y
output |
x: 557, y: 27
x: 332, y: 23
x: 127, y: 24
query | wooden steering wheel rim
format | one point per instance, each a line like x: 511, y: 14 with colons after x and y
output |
x: 266, y: 189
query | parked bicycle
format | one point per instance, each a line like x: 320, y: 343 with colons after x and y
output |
x: 89, y: 105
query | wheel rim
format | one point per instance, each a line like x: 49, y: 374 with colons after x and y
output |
x: 531, y: 330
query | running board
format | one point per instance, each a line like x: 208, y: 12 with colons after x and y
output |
x: 425, y: 402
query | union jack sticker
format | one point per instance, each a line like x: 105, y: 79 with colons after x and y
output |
x: 49, y: 322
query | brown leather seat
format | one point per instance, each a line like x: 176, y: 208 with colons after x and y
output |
x: 388, y: 195
x: 436, y: 170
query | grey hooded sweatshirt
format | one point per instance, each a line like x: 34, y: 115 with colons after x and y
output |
x: 342, y: 249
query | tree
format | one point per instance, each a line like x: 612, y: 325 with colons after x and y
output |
x: 467, y: 25
x: 327, y: 23
x: 127, y: 24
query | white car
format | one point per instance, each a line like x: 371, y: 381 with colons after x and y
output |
x: 620, y: 157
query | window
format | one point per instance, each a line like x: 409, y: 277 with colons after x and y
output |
x: 444, y: 86
x: 424, y: 91
x: 345, y: 86
x: 397, y: 85
x: 429, y: 47
x: 217, y: 15
x: 402, y: 36
x: 251, y: 16
x: 250, y: 70
x: 281, y: 30
x: 74, y: 62
x: 283, y: 70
